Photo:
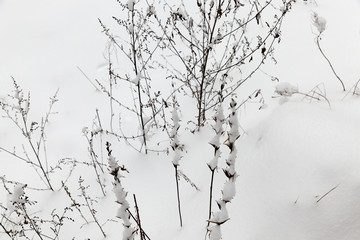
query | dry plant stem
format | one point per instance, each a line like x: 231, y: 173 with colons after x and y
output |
x: 94, y: 161
x: 232, y: 89
x: 6, y: 231
x: 43, y: 126
x: 142, y: 236
x: 31, y: 221
x: 202, y: 87
x: 37, y: 157
x: 4, y: 181
x: 97, y: 89
x: 92, y: 213
x: 201, y: 101
x: 327, y: 59
x: 327, y: 193
x: 36, y: 169
x: 211, y: 194
x: 187, y: 179
x: 178, y: 195
x: 28, y: 137
x: 114, y: 170
x: 74, y: 203
x: 142, y: 230
x: 142, y: 118
x: 205, y: 63
x: 111, y: 96
x: 104, y: 90
x: 312, y: 96
x: 27, y: 133
x: 94, y: 217
x: 101, y: 141
x: 353, y: 89
x: 134, y: 52
x: 356, y: 87
x: 17, y: 156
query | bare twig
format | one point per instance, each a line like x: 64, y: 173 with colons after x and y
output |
x: 178, y: 195
x: 91, y: 210
x: 318, y: 38
x: 74, y: 203
x: 327, y: 193
x: 142, y: 236
x: 97, y: 89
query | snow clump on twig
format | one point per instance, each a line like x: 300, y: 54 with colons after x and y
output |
x: 319, y: 22
x: 286, y: 89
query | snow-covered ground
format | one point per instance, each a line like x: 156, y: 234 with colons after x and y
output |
x: 298, y: 159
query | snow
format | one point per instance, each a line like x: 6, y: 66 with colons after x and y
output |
x: 16, y: 197
x: 319, y: 22
x: 136, y: 79
x: 292, y: 177
x: 286, y: 89
x: 297, y: 163
x: 130, y: 5
x: 229, y: 191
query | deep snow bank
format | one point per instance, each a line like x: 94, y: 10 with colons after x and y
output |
x: 289, y: 162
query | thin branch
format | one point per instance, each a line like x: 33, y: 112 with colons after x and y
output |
x: 327, y: 193
x: 327, y: 59
x: 178, y: 194
x: 142, y: 236
x: 93, y: 84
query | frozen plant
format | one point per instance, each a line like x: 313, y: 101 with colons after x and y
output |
x: 120, y: 194
x: 175, y: 143
x: 124, y: 212
x: 177, y: 148
x: 215, y: 143
x: 229, y: 190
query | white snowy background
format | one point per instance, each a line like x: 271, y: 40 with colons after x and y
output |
x: 290, y: 154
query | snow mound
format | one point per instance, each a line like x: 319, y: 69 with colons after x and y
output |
x: 298, y: 177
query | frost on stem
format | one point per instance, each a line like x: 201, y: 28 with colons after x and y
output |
x: 120, y: 194
x: 177, y: 148
x: 215, y: 141
x: 229, y: 189
x: 174, y: 136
